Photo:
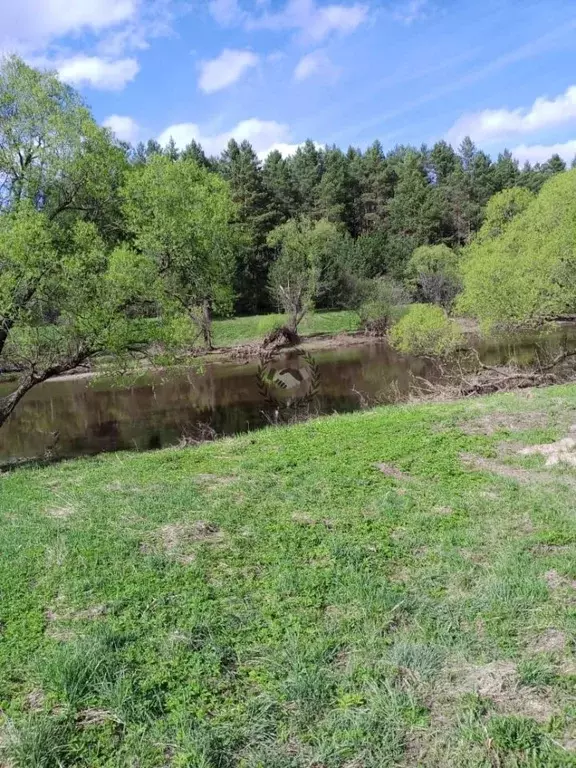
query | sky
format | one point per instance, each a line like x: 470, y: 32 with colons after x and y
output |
x: 344, y: 72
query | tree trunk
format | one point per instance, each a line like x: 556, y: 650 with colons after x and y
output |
x: 32, y: 378
x: 207, y: 323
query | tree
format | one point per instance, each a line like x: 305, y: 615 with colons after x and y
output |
x: 426, y: 330
x: 500, y: 211
x: 306, y: 166
x: 63, y: 290
x: 194, y: 151
x: 433, y: 274
x: 306, y: 265
x: 181, y: 215
x: 528, y: 272
x: 280, y: 186
x: 336, y: 191
x: 241, y: 168
x: 377, y: 180
x: 443, y: 162
x: 506, y: 171
x: 413, y: 214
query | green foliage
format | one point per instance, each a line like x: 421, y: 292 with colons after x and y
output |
x: 500, y: 211
x: 528, y: 272
x: 433, y: 274
x: 379, y: 302
x: 306, y: 266
x: 181, y: 215
x: 426, y: 329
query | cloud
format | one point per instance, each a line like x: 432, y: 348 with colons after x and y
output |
x: 413, y: 10
x: 315, y: 63
x: 97, y: 72
x: 540, y: 153
x: 264, y: 135
x: 125, y: 128
x: 46, y: 33
x: 314, y: 22
x: 225, y: 69
x: 29, y: 24
x: 225, y: 12
x: 494, y: 124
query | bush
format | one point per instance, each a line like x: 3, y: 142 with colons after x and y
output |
x: 379, y: 302
x: 433, y: 274
x: 426, y: 329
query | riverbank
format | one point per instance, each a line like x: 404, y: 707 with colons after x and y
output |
x: 388, y: 588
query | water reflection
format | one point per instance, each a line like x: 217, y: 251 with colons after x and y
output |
x: 83, y: 416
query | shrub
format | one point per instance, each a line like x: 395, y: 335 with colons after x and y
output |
x: 433, y: 274
x: 379, y: 302
x: 426, y: 329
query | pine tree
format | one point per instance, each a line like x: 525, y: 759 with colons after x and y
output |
x: 442, y: 162
x: 194, y: 151
x: 377, y: 182
x: 240, y: 166
x: 171, y: 150
x: 280, y: 186
x: 506, y: 171
x: 335, y: 191
x: 306, y: 166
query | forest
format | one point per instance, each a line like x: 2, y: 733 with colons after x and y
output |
x: 112, y: 250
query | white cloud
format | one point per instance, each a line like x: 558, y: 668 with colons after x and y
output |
x: 315, y: 63
x: 264, y: 135
x: 413, y: 10
x: 494, y: 124
x: 225, y: 12
x: 225, y: 69
x: 314, y: 22
x: 97, y: 72
x: 125, y: 128
x: 540, y: 153
x: 28, y: 24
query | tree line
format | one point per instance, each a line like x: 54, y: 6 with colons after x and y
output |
x: 383, y: 204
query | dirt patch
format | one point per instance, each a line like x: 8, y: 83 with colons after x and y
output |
x: 93, y: 717
x: 60, y: 513
x: 390, y: 471
x: 491, y: 423
x: 520, y: 474
x: 557, y: 581
x: 551, y: 549
x: 306, y: 520
x: 213, y: 481
x: 175, y: 540
x: 561, y: 452
x: 495, y: 466
x: 550, y: 641
x: 497, y: 681
x: 34, y: 701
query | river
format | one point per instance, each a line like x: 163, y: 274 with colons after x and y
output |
x: 79, y: 416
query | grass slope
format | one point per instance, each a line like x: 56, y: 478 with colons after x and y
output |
x: 279, y: 601
x: 240, y: 330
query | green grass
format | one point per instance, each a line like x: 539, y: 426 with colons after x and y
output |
x: 276, y: 600
x: 240, y: 330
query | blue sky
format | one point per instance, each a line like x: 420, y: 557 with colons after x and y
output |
x: 339, y: 71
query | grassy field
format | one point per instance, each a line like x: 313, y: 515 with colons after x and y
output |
x: 240, y: 330
x: 390, y: 588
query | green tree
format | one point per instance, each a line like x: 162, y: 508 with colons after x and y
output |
x: 241, y: 168
x: 336, y: 190
x: 63, y: 290
x: 279, y: 184
x: 306, y: 166
x: 443, y: 162
x: 500, y: 211
x: 306, y: 267
x: 433, y: 274
x: 506, y: 171
x: 528, y: 272
x: 426, y: 330
x: 377, y: 180
x: 181, y: 215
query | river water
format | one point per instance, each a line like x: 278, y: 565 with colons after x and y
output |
x: 77, y: 416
